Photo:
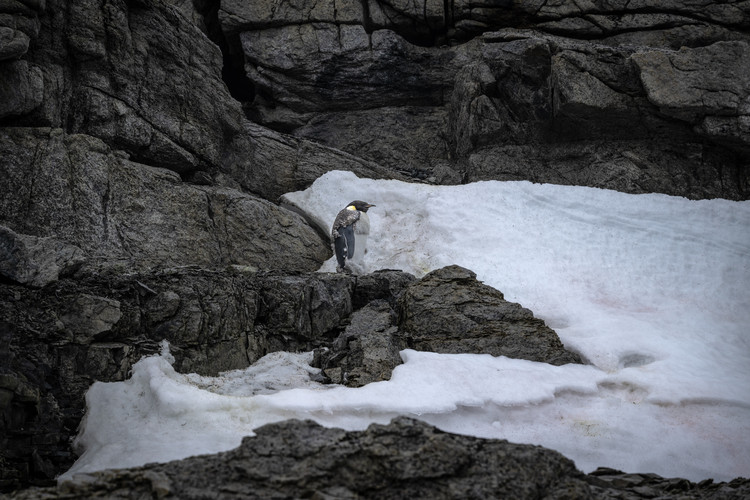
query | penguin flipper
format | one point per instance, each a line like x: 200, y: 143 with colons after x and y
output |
x: 344, y: 244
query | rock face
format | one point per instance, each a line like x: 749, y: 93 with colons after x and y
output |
x: 404, y: 459
x: 124, y: 213
x: 634, y: 96
x: 143, y: 78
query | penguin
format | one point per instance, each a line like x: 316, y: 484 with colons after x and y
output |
x: 352, y: 223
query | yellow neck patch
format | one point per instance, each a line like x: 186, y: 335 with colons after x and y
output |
x: 351, y: 207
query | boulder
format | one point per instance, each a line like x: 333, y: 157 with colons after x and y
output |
x: 368, y: 348
x: 125, y: 214
x: 708, y: 87
x: 450, y: 311
x: 404, y: 459
x: 447, y: 311
x: 34, y: 261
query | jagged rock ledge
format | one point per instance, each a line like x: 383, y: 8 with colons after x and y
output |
x: 404, y: 459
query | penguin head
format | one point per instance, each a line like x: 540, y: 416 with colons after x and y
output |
x: 360, y: 205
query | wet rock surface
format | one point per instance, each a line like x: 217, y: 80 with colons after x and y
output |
x: 404, y: 459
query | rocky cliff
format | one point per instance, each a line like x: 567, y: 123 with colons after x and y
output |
x: 144, y: 145
x: 636, y: 96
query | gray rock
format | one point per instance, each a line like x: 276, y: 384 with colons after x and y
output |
x: 97, y: 326
x: 385, y: 284
x: 408, y: 139
x: 146, y: 80
x: 56, y: 341
x: 237, y: 16
x: 338, y: 67
x: 442, y: 90
x: 21, y: 88
x: 450, y: 311
x: 368, y: 349
x: 119, y: 136
x: 270, y: 164
x: 445, y: 87
x: 36, y: 261
x: 708, y: 87
x: 447, y: 311
x: 632, y: 166
x: 125, y: 214
x: 87, y: 316
x: 404, y: 459
x: 13, y: 43
x: 304, y: 307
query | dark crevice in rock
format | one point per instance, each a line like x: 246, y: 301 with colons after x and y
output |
x: 233, y: 69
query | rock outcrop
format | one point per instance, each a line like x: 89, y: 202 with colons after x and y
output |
x: 450, y: 311
x: 61, y: 338
x: 58, y: 340
x: 634, y: 96
x: 126, y: 214
x: 447, y: 311
x: 147, y: 81
x: 404, y: 459
x: 366, y: 351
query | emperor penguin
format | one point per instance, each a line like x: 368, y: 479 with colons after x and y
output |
x: 352, y: 225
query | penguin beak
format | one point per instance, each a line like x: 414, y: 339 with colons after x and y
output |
x: 370, y: 206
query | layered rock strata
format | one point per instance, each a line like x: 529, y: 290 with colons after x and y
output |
x: 633, y: 96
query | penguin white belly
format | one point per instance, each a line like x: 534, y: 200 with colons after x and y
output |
x: 361, y: 232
